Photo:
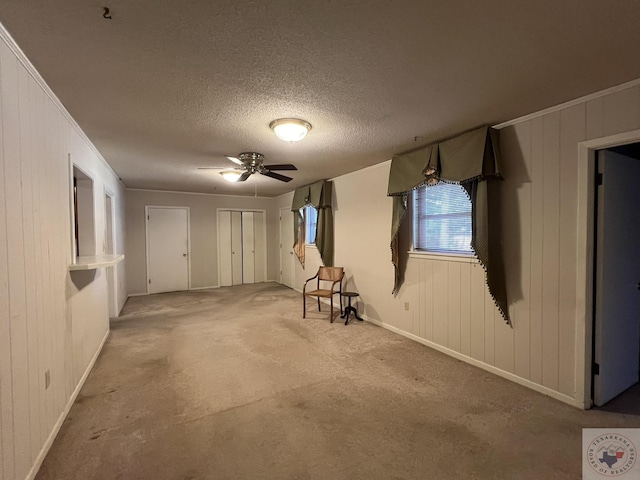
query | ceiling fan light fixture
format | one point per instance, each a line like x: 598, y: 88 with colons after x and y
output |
x: 290, y: 129
x: 231, y: 175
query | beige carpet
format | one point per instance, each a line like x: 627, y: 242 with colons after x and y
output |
x: 232, y: 383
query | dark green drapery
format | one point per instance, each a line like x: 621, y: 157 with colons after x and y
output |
x: 319, y: 196
x: 470, y: 160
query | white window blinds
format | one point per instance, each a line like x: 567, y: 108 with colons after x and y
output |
x: 442, y: 219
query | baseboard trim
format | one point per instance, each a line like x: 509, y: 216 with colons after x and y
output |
x: 203, y: 288
x: 56, y: 428
x: 477, y: 363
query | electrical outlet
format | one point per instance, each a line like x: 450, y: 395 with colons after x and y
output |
x: 47, y: 379
x: 406, y: 306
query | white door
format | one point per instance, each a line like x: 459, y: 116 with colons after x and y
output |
x: 287, y: 264
x: 617, y: 270
x: 167, y: 249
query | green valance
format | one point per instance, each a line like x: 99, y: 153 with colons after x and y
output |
x: 318, y: 195
x: 468, y: 159
x: 470, y: 156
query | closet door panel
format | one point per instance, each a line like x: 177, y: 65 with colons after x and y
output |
x: 260, y: 259
x: 236, y: 248
x: 224, y: 235
x: 248, y: 248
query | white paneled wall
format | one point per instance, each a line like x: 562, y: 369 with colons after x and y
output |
x: 51, y: 323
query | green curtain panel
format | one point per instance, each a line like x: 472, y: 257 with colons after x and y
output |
x: 470, y: 160
x: 318, y: 195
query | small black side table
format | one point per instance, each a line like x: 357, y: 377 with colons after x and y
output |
x: 349, y: 309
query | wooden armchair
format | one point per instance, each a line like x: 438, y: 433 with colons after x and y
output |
x: 325, y: 275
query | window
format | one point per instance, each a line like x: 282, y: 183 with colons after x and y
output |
x: 82, y: 214
x: 442, y: 219
x: 310, y: 215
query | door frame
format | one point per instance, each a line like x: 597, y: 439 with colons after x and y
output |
x: 585, y: 253
x: 110, y: 237
x: 146, y: 241
x: 280, y: 276
x: 264, y: 233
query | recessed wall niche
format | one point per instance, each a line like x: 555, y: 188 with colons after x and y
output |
x: 84, y: 236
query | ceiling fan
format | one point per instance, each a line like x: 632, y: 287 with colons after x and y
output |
x: 252, y: 162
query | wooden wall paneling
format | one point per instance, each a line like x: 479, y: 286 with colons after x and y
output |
x: 504, y: 343
x: 49, y: 215
x: 426, y: 300
x: 478, y: 288
x: 537, y: 235
x: 440, y: 302
x: 35, y: 99
x: 413, y: 274
x: 595, y: 118
x: 454, y: 306
x: 57, y: 369
x: 465, y: 309
x: 68, y: 378
x: 516, y: 175
x: 26, y: 142
x: 16, y: 269
x: 44, y: 185
x: 621, y: 112
x: 550, y: 250
x: 421, y: 293
x: 6, y: 396
x: 489, y: 329
x: 572, y: 131
x: 518, y: 142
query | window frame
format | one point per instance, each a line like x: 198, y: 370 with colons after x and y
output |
x: 451, y: 255
x: 307, y: 225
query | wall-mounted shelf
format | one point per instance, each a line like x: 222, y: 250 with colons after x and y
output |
x: 95, y: 261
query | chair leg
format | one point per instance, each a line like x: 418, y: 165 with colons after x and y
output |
x: 331, y: 309
x: 304, y: 306
x: 319, y: 305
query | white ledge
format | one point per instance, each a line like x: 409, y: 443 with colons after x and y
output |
x: 445, y: 257
x: 91, y: 262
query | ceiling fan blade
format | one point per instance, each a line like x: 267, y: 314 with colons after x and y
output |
x: 277, y: 176
x: 235, y: 160
x: 211, y: 168
x: 244, y: 176
x: 281, y: 166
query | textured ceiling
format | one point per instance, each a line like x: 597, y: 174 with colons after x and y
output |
x: 165, y: 87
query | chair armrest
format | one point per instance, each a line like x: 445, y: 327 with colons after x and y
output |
x: 304, y: 287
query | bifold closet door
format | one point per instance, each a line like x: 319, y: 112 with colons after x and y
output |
x: 242, y: 249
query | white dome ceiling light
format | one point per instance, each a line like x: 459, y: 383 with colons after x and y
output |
x: 231, y: 175
x: 290, y: 129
